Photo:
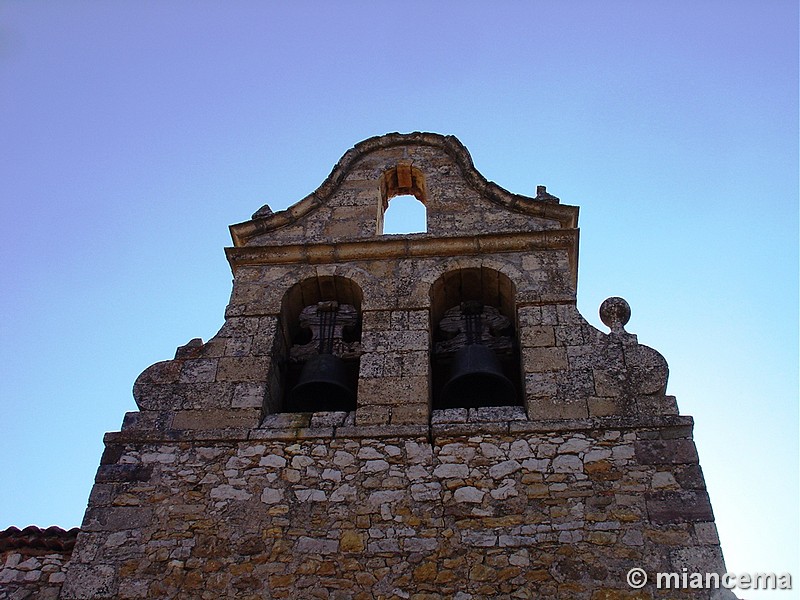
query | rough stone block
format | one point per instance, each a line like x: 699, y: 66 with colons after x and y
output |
x: 537, y: 336
x: 239, y: 326
x: 90, y: 582
x: 216, y: 419
x: 537, y: 360
x: 238, y: 346
x: 706, y: 534
x: 493, y: 414
x: 373, y: 415
x: 410, y: 414
x: 286, y: 421
x: 568, y: 314
x: 376, y: 320
x: 529, y: 316
x: 657, y: 405
x: 248, y: 395
x: 666, y: 452
x: 648, y: 370
x: 394, y: 391
x: 371, y: 365
x: 605, y: 407
x: 242, y: 368
x: 679, y: 507
x: 166, y: 371
x: 408, y: 340
x: 124, y: 473
x: 116, y: 518
x: 328, y: 419
x: 545, y: 408
x: 449, y: 415
x: 609, y: 382
x: 698, y: 559
x: 541, y: 384
x: 569, y: 335
x: 415, y: 364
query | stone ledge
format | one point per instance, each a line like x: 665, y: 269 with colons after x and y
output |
x: 382, y: 431
x: 385, y: 248
x: 241, y: 434
x: 615, y: 422
x: 451, y: 429
x: 231, y: 434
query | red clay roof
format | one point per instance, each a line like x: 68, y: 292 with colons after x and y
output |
x: 36, y: 538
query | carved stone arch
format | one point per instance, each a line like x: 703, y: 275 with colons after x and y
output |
x: 515, y: 274
x: 373, y: 290
x: 434, y: 274
x: 274, y: 302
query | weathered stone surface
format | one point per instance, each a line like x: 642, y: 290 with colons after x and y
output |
x: 451, y: 470
x: 214, y: 491
x: 215, y: 419
x: 659, y: 452
x: 504, y: 469
x: 679, y: 507
x: 90, y: 583
x: 40, y: 576
x: 286, y: 494
x: 469, y: 494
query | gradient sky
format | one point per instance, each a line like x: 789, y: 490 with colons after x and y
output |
x: 133, y: 133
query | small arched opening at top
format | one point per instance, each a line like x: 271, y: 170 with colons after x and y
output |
x: 402, y: 207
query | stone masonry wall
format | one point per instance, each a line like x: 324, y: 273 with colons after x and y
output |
x: 26, y: 577
x: 211, y: 491
x: 483, y: 509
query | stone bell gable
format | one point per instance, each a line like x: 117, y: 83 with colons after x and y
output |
x: 436, y: 169
x: 401, y: 416
x: 515, y: 254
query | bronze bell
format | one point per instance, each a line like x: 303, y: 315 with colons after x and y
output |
x: 477, y: 380
x: 323, y: 386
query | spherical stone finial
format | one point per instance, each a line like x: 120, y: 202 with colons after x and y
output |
x: 615, y: 312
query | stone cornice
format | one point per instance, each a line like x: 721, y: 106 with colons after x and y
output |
x: 406, y: 246
x: 566, y: 215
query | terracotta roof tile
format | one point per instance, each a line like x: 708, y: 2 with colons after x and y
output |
x: 36, y: 538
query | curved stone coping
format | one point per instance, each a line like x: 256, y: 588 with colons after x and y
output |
x: 241, y: 233
x: 302, y: 432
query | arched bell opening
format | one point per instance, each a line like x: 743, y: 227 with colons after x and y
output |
x: 321, y: 332
x: 475, y: 355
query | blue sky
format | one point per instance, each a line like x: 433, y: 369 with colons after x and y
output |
x: 134, y: 133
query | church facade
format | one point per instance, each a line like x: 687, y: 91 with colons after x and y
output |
x: 418, y: 416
